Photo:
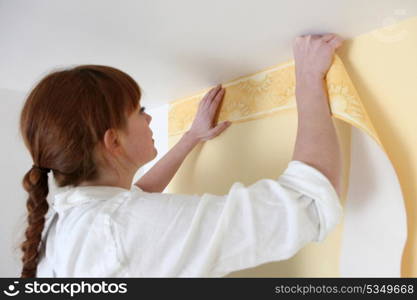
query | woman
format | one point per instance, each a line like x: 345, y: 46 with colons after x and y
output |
x: 87, y: 126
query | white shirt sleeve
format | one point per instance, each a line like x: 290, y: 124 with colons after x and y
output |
x: 173, y: 235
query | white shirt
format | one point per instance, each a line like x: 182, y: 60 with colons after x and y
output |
x: 104, y: 231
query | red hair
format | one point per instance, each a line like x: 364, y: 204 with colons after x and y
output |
x: 62, y: 123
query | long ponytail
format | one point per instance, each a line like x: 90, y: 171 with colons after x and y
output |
x: 35, y: 183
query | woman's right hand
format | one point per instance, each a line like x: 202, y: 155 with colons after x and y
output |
x: 313, y: 54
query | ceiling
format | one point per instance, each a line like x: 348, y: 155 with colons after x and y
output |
x: 173, y: 48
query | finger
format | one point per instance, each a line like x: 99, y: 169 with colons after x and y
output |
x: 219, y: 129
x: 332, y: 37
x: 218, y: 97
x: 327, y: 37
x: 316, y: 36
x: 215, y: 103
x: 206, y: 96
x: 213, y: 92
x: 336, y: 42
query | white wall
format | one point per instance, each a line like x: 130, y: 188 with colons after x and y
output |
x: 173, y: 48
x: 159, y: 126
x: 15, y: 161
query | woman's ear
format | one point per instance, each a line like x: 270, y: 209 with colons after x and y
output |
x: 113, y: 141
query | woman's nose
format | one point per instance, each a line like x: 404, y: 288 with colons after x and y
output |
x: 149, y: 118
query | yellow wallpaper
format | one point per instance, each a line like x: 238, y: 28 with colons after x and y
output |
x: 269, y: 92
x: 260, y: 142
x: 249, y: 151
x: 383, y: 67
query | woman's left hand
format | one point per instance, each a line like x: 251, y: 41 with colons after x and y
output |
x: 202, y: 127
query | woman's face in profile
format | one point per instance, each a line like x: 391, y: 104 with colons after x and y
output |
x: 138, y: 143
